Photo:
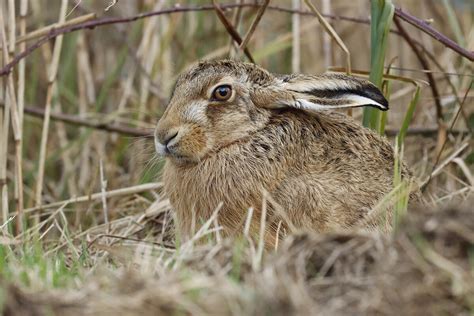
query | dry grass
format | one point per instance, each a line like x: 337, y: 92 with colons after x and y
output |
x: 86, y: 230
x: 425, y: 268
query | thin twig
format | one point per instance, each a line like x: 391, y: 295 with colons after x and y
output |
x: 425, y: 65
x: 424, y: 131
x: 253, y: 27
x: 425, y: 185
x: 428, y: 29
x: 231, y: 29
x: 107, y: 21
x: 327, y: 45
x: 262, y: 231
x: 20, y: 108
x: 12, y: 108
x: 22, y: 64
x: 330, y: 30
x: 296, y: 38
x: 451, y: 157
x: 49, y: 96
x: 45, y: 30
x: 103, y: 191
x: 236, y: 19
x: 11, y: 26
x: 4, y: 129
x: 248, y: 222
x: 86, y: 97
x: 97, y: 196
x: 423, y: 26
x: 465, y: 169
x: 79, y: 121
x: 111, y: 4
x: 16, y: 124
x: 446, y: 75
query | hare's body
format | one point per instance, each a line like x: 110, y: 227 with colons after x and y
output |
x: 322, y: 171
x: 320, y: 182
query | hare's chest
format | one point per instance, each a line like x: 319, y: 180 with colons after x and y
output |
x: 231, y: 188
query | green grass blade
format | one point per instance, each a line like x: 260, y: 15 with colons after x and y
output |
x: 381, y: 14
x: 408, y: 117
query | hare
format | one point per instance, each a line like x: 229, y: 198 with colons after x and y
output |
x: 233, y: 132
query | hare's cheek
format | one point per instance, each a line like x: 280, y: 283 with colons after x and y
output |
x: 194, y: 143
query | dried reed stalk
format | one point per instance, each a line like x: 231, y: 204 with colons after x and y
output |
x: 53, y: 69
x: 45, y: 30
x: 21, y: 65
x: 103, y: 191
x: 231, y: 29
x: 98, y: 196
x: 253, y: 26
x: 11, y: 111
x: 330, y: 30
x: 332, y: 33
x: 236, y: 19
x: 296, y: 45
x: 4, y: 128
x: 86, y: 90
x: 327, y: 46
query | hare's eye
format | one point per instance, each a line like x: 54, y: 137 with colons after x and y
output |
x: 222, y: 93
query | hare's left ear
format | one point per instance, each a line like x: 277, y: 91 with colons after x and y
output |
x: 325, y: 92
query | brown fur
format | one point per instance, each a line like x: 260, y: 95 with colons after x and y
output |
x: 323, y: 171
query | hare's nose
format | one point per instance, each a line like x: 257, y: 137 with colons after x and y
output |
x: 164, y: 140
x: 169, y: 137
x: 165, y: 137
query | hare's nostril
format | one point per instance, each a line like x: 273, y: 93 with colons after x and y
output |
x: 166, y: 138
x: 169, y: 137
x: 164, y: 141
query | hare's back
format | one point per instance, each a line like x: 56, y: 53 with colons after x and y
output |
x: 340, y: 171
x: 332, y: 137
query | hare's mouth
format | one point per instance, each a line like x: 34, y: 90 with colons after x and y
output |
x: 181, y: 159
x: 172, y: 153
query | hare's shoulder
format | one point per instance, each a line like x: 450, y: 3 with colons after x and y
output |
x: 325, y: 126
x: 333, y: 135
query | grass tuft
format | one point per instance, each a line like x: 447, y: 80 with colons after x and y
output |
x: 381, y: 12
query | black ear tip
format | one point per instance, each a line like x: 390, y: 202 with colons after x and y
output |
x: 384, y: 103
x: 374, y: 93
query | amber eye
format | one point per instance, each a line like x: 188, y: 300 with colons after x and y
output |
x: 222, y: 93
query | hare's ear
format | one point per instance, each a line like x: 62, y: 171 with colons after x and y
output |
x: 326, y: 92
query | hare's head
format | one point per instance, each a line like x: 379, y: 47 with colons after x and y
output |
x: 218, y: 103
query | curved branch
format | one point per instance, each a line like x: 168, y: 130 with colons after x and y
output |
x: 420, y: 24
x: 428, y: 29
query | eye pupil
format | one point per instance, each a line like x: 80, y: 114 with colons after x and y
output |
x: 222, y: 93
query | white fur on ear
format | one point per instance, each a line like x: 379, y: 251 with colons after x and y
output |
x: 348, y: 101
x: 358, y: 100
x: 331, y: 91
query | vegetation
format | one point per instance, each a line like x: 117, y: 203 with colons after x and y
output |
x: 85, y: 227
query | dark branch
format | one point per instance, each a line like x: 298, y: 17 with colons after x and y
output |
x: 428, y: 29
x: 231, y: 29
x: 424, y: 63
x: 253, y: 27
x: 79, y: 121
x: 108, y: 21
x: 438, y: 157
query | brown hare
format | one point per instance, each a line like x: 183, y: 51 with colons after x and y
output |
x: 233, y: 131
